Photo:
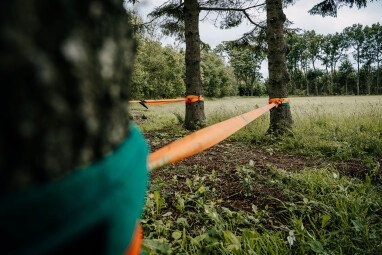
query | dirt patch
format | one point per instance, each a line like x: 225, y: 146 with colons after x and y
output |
x: 225, y: 157
x: 231, y: 154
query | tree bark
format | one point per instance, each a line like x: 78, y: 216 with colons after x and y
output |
x: 358, y: 70
x: 195, y: 117
x: 280, y: 117
x: 306, y: 81
x: 65, y: 68
x: 378, y: 90
x: 331, y: 81
x: 316, y: 87
x: 346, y: 85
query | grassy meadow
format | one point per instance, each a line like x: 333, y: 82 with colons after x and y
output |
x: 317, y: 191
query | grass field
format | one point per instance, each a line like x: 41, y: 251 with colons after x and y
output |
x: 318, y: 191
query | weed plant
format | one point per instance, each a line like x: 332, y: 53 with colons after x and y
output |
x: 318, y: 211
x: 321, y: 213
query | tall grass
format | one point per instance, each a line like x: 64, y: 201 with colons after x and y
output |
x: 319, y: 211
x: 336, y: 127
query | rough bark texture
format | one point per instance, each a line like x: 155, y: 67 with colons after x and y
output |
x: 378, y: 89
x: 195, y: 117
x: 65, y: 67
x: 358, y: 60
x: 280, y: 117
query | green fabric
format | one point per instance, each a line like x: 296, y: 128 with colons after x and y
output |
x: 111, y: 191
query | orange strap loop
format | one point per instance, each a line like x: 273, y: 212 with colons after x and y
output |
x: 136, y: 243
x: 192, y: 99
x: 203, y: 138
x: 279, y: 101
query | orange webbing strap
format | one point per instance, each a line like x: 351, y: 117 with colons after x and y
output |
x: 187, y: 99
x: 136, y: 243
x: 279, y: 101
x: 203, y: 139
x: 163, y: 101
x: 192, y: 99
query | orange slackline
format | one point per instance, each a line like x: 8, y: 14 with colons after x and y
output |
x: 187, y: 99
x: 136, y: 243
x: 279, y: 101
x: 203, y: 139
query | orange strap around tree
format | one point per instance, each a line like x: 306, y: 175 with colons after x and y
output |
x: 192, y: 99
x: 136, y: 243
x: 278, y: 101
x: 203, y: 138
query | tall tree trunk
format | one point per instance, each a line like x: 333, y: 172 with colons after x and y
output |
x: 65, y: 67
x: 316, y: 86
x: 306, y: 82
x: 357, y: 71
x: 369, y: 80
x: 331, y: 81
x: 280, y: 117
x: 195, y: 117
x: 378, y: 90
x: 293, y: 83
x: 346, y: 85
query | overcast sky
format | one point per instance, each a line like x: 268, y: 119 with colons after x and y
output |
x: 297, y: 13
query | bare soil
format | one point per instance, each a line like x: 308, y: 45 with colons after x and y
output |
x: 225, y: 157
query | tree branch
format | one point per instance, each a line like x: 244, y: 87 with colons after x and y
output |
x: 243, y: 10
x: 203, y: 8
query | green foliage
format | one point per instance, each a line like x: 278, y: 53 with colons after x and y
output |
x: 245, y: 62
x: 159, y: 73
x: 332, y: 214
x: 321, y: 212
x: 338, y: 77
x: 217, y: 77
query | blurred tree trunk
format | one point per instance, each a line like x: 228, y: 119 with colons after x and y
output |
x: 195, y: 117
x: 358, y: 78
x: 346, y: 85
x: 65, y: 67
x: 378, y: 87
x: 280, y: 117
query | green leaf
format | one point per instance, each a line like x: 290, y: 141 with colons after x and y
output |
x: 316, y: 246
x: 325, y: 220
x: 176, y: 234
x: 358, y: 226
x: 198, y: 239
x: 182, y: 221
x: 231, y: 238
x: 157, y: 246
x: 202, y: 189
x: 167, y: 214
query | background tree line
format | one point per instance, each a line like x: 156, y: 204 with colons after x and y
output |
x: 318, y: 64
x: 322, y: 64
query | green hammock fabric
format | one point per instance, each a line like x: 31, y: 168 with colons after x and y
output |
x: 110, y: 192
